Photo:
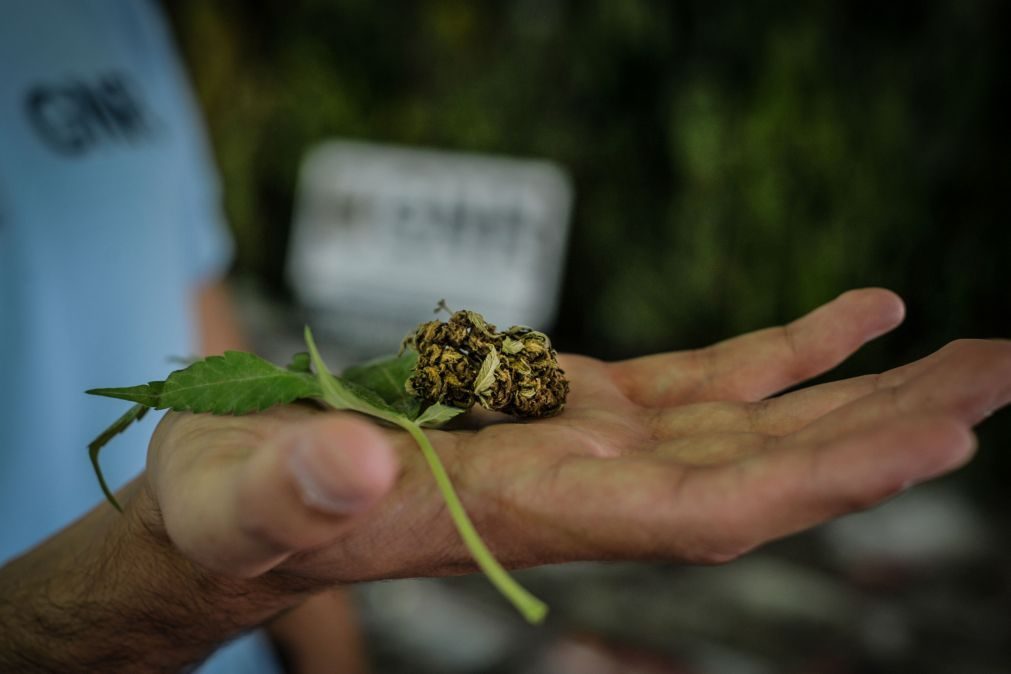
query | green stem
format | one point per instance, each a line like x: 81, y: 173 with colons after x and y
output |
x: 135, y: 413
x: 532, y: 608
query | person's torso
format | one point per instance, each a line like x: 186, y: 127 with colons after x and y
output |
x: 107, y: 221
x: 93, y: 285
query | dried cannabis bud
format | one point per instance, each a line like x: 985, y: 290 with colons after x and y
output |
x: 465, y: 361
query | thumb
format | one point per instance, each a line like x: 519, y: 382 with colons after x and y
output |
x: 301, y: 489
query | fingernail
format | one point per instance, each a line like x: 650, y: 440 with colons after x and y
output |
x: 318, y: 491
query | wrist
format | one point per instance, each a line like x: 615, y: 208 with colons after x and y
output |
x: 112, y: 593
x: 240, y: 602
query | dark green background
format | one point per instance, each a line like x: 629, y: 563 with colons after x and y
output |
x: 735, y: 163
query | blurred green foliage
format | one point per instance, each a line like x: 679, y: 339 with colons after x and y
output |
x: 735, y: 163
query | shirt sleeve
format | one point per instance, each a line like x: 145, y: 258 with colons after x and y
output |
x: 203, y: 223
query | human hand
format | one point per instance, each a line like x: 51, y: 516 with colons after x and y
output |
x: 679, y: 456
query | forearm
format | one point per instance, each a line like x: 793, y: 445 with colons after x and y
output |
x: 110, y: 593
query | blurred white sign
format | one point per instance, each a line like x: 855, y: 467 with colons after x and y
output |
x: 381, y: 233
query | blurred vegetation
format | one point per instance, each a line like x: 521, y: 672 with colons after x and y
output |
x: 735, y: 163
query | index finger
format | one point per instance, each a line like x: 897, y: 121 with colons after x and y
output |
x: 761, y: 363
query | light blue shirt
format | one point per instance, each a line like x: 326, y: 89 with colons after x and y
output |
x: 109, y: 219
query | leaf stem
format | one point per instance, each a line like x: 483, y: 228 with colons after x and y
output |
x: 135, y: 413
x: 532, y: 608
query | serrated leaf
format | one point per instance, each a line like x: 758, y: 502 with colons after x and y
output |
x: 367, y: 397
x: 235, y: 383
x: 148, y: 394
x: 486, y: 375
x: 387, y: 377
x: 437, y: 414
x: 342, y: 395
x: 409, y: 407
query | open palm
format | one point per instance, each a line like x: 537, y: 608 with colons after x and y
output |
x: 680, y: 456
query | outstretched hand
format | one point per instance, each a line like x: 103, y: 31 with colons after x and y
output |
x: 680, y: 456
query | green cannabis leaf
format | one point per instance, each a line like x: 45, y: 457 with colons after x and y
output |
x: 344, y: 395
x: 387, y: 378
x: 148, y: 395
x: 234, y: 383
x: 242, y: 383
x: 437, y: 414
